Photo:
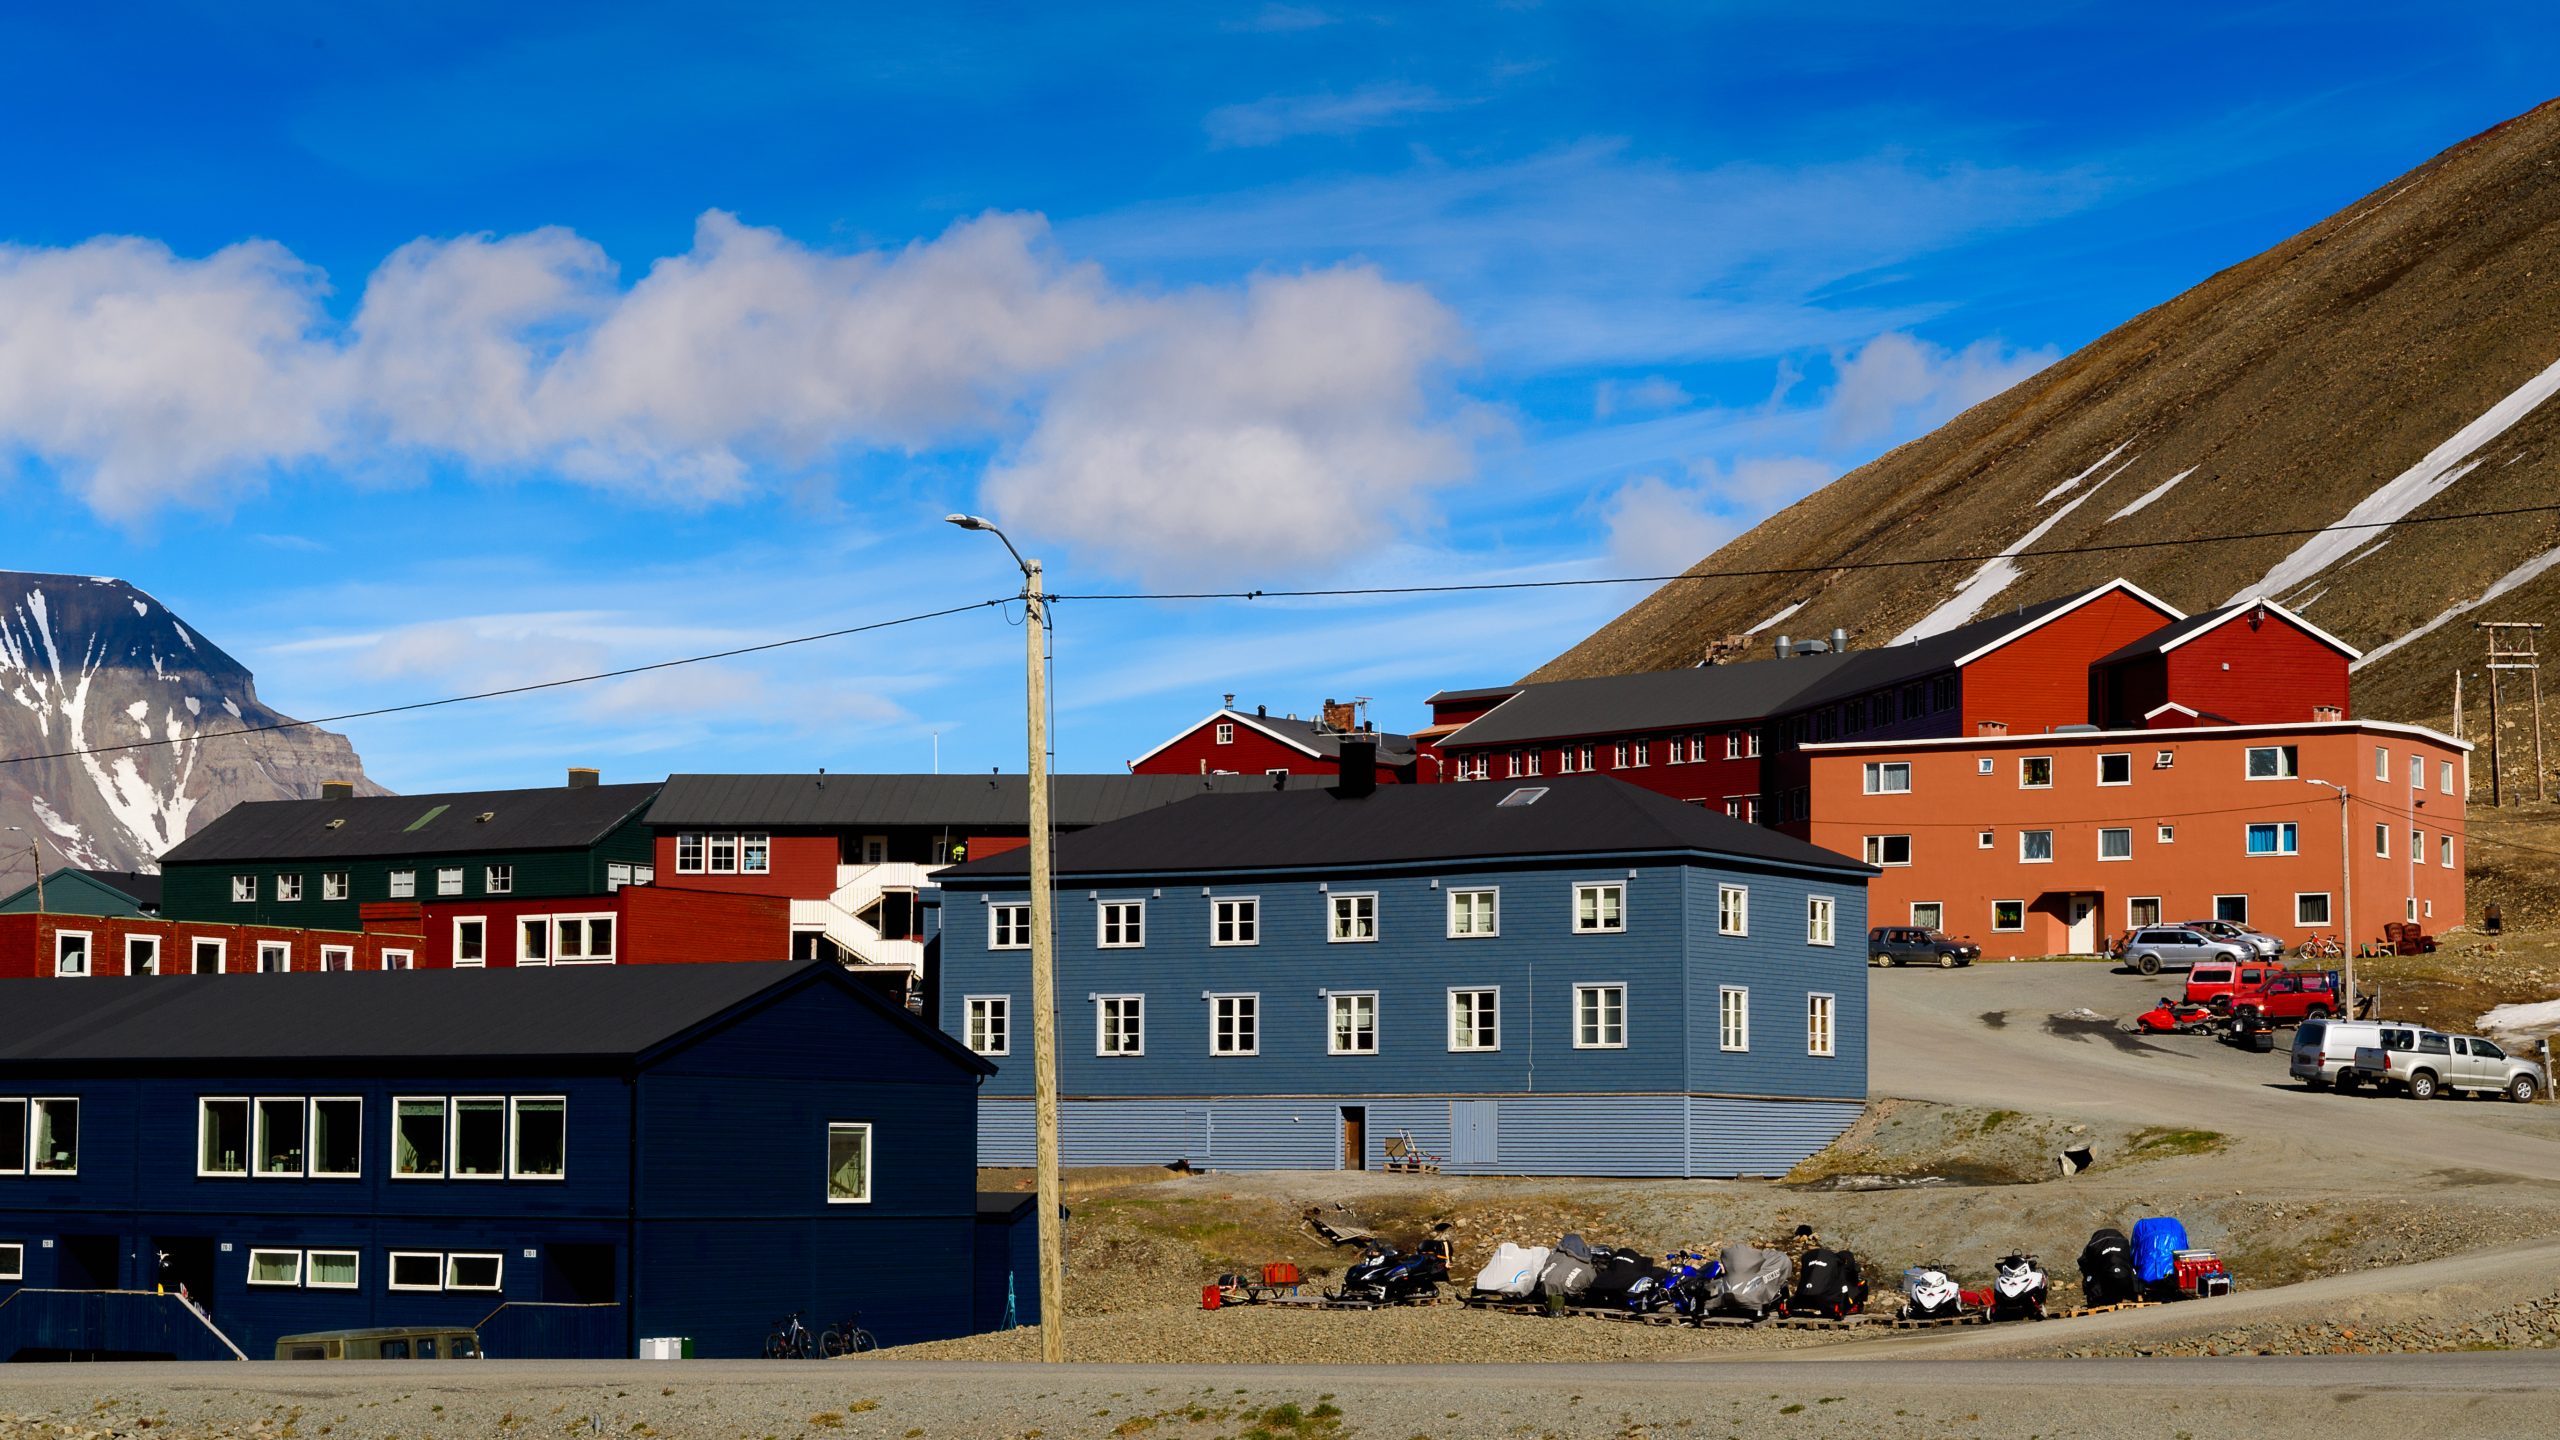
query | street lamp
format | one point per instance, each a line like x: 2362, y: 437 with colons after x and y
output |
x: 35, y: 852
x: 1044, y: 989
x: 2346, y: 896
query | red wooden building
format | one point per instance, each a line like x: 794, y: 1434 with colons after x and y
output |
x: 1229, y: 741
x: 2254, y: 663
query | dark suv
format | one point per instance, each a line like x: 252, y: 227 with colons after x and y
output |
x: 1912, y: 945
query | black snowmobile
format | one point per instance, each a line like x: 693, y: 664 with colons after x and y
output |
x: 2107, y: 1276
x: 1626, y: 1281
x: 1828, y: 1286
x: 1384, y: 1276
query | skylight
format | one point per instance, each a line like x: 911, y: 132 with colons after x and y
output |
x: 1527, y: 795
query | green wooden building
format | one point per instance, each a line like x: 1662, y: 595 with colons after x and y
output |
x: 313, y: 863
x: 74, y: 891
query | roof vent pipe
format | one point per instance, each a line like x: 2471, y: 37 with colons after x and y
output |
x: 1839, y: 640
x: 337, y: 789
x: 1784, y: 648
x: 583, y: 777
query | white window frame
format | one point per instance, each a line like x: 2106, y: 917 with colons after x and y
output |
x: 1121, y: 910
x: 244, y: 889
x: 1009, y: 920
x: 288, y: 889
x: 690, y: 843
x: 459, y: 963
x: 1226, y: 732
x: 1333, y: 1005
x: 2026, y: 784
x: 1110, y: 1008
x: 496, y: 1284
x: 402, y: 885
x: 1986, y: 840
x: 1880, y: 774
x: 585, y: 923
x: 311, y: 1269
x: 1251, y: 1001
x: 444, y: 1138
x: 2327, y: 910
x: 335, y: 885
x: 280, y: 948
x: 2288, y: 839
x: 2241, y: 919
x: 391, y: 1269
x: 448, y: 880
x: 498, y: 880
x: 1999, y: 929
x: 2106, y: 830
x: 2288, y: 762
x: 1473, y: 1032
x: 2444, y: 851
x: 311, y: 1137
x: 1600, y: 919
x: 716, y: 846
x: 1239, y: 916
x: 453, y: 1138
x: 515, y: 1139
x: 1000, y: 1008
x: 533, y: 932
x: 2417, y: 771
x: 344, y: 955
x: 1733, y: 1019
x: 1875, y: 850
x: 88, y: 954
x: 1821, y: 921
x: 150, y: 953
x: 2444, y: 776
x: 755, y: 853
x: 301, y: 1107
x: 1986, y: 766
x: 248, y: 1129
x: 2157, y: 910
x: 221, y: 953
x: 870, y: 1159
x: 2026, y: 859
x: 2106, y: 755
x: 1492, y: 896
x: 1342, y: 925
x: 2166, y: 835
x: 1733, y: 909
x: 1821, y: 1024
x: 399, y: 959
x: 17, y: 1164
x: 256, y: 1251
x: 2382, y: 840
x: 1587, y: 994
x: 2382, y: 763
x: 1940, y: 906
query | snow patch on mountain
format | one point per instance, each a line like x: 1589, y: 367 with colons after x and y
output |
x: 2064, y: 488
x: 2530, y: 570
x: 2155, y: 492
x: 2000, y: 571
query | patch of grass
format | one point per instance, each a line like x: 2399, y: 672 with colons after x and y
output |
x: 1995, y: 1119
x: 827, y: 1420
x: 2158, y: 1142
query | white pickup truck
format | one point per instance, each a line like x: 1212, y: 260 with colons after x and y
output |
x: 2428, y: 1063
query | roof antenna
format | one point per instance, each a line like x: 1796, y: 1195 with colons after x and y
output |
x: 822, y: 777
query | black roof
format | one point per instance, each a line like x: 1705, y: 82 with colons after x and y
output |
x: 1314, y: 735
x: 580, y: 1013
x: 957, y: 801
x: 1397, y: 824
x: 557, y: 818
x: 145, y: 889
x: 2171, y: 633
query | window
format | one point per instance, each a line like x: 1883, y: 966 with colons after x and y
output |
x: 1817, y: 1025
x: 2115, y: 844
x: 1819, y: 920
x: 13, y: 1137
x: 333, y: 885
x: 1888, y: 849
x: 2142, y: 910
x: 275, y: 957
x: 2274, y: 838
x: 1733, y: 910
x: 1585, y: 757
x: 1008, y: 927
x: 1533, y: 762
x: 2418, y: 846
x: 1984, y: 840
x: 1354, y: 1023
x: 2035, y: 772
x: 275, y: 1267
x: 1235, y: 1024
x: 1355, y: 918
x: 279, y: 1137
x: 1929, y: 914
x: 1564, y: 761
x: 142, y: 954
x: 1513, y: 768
x: 288, y: 887
x: 688, y: 854
x: 337, y: 957
x: 70, y: 952
x: 724, y: 854
x: 413, y: 1270
x: 2234, y: 908
x: 1599, y: 909
x: 399, y: 959
x: 2035, y: 847
x: 2115, y: 769
x: 1235, y: 921
x: 449, y: 880
x: 1733, y: 745
x: 337, y: 1138
x: 1600, y: 1017
x: 222, y: 1137
x: 2381, y: 762
x: 480, y: 1137
x: 1642, y: 747
x: 1120, y: 1025
x: 991, y: 1024
x: 1124, y: 924
x: 1473, y: 913
x: 500, y: 879
x: 2274, y: 762
x: 1226, y: 732
x: 1475, y: 1019
x: 2382, y: 841
x: 1942, y: 693
x: 755, y: 854
x: 417, y: 1137
x: 472, y: 1272
x: 2444, y: 776
x: 2168, y: 834
x: 1888, y: 777
x: 582, y: 939
x: 848, y: 1162
x: 2008, y: 914
x: 1985, y: 766
x: 404, y: 884
x: 244, y: 889
x: 330, y: 1269
x: 205, y: 955
x: 13, y: 1261
x: 533, y: 940
x: 2164, y: 759
x: 470, y: 942
x: 2417, y: 772
x: 2311, y: 909
x: 2444, y: 851
x: 538, y: 1140
x: 1733, y: 1017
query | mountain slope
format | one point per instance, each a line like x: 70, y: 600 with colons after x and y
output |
x: 88, y: 662
x: 2393, y: 362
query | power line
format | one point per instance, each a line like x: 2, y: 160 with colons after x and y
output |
x: 1777, y: 570
x: 509, y: 690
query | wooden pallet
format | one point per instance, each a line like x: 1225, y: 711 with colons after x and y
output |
x: 1825, y: 1322
x: 1595, y: 1312
x: 1970, y: 1317
x: 2077, y: 1311
x: 1505, y: 1307
x: 1740, y: 1322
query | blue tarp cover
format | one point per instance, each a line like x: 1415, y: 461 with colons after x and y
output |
x: 2156, y: 1243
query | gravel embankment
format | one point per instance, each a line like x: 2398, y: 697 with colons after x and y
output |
x: 2533, y: 1325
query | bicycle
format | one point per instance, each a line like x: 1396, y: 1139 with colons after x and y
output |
x: 847, y: 1337
x: 790, y: 1340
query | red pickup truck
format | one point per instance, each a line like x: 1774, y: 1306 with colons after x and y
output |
x: 2289, y: 997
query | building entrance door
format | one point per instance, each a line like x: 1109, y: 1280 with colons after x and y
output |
x: 1355, y: 1137
x: 2082, y: 913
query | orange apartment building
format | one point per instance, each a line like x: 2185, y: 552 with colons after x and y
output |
x: 2056, y: 843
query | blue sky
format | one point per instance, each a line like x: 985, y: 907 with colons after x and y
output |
x: 421, y: 352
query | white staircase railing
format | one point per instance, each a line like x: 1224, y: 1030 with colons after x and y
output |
x: 839, y: 916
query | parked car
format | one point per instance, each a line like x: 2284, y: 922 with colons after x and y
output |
x: 2427, y: 1063
x: 2212, y: 984
x: 1914, y: 945
x: 2324, y: 1051
x: 382, y: 1342
x: 2176, y: 947
x: 2263, y: 947
x: 2289, y: 997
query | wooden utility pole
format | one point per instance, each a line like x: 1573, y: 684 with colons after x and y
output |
x: 2514, y: 645
x: 1044, y: 986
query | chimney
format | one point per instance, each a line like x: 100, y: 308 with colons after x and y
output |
x: 1229, y: 702
x: 583, y: 777
x: 2326, y: 714
x: 1991, y: 727
x: 1359, y: 777
x: 1839, y: 640
x: 1784, y: 648
x: 1262, y: 710
x: 337, y: 789
x: 1341, y: 716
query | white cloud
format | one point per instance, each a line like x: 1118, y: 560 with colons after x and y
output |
x: 1275, y: 118
x: 1658, y: 527
x: 1897, y: 385
x: 1279, y: 19
x: 1654, y: 392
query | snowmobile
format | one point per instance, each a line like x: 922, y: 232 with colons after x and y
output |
x: 2107, y: 1276
x: 2018, y: 1289
x: 1927, y: 1294
x: 2173, y: 1016
x: 1828, y: 1286
x: 1626, y: 1281
x: 1383, y: 1276
x: 1753, y: 1283
x: 1512, y: 1274
x: 2155, y: 1246
x: 1570, y: 1269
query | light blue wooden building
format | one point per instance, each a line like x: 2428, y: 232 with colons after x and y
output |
x: 1567, y: 976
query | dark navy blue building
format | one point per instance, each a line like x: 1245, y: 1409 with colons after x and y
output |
x: 1538, y: 977
x: 570, y: 1159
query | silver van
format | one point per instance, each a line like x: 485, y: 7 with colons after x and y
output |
x: 2324, y: 1051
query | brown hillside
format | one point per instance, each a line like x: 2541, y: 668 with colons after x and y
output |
x: 2293, y: 385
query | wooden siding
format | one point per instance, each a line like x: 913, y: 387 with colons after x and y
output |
x: 803, y: 864
x: 1707, y: 782
x: 1779, y: 970
x: 2270, y: 674
x: 203, y: 891
x: 27, y: 944
x: 2041, y: 679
